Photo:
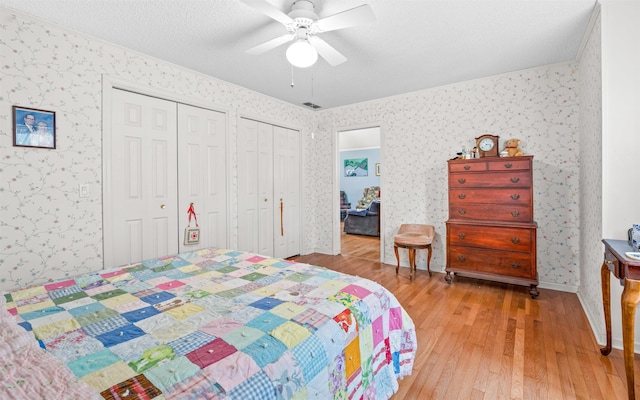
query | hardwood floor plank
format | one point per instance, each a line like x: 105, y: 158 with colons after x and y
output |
x: 486, y: 340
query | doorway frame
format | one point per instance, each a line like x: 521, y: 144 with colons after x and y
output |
x: 110, y: 83
x: 336, y: 185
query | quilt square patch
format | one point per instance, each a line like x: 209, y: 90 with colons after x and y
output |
x: 290, y: 334
x: 266, y: 303
x: 211, y: 352
x: 138, y: 387
x: 266, y: 322
x: 166, y: 375
x: 265, y: 350
x: 120, y: 335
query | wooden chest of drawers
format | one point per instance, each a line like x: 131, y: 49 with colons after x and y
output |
x: 491, y: 233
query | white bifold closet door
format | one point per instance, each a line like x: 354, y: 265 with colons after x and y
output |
x: 269, y: 188
x: 202, y: 174
x: 161, y: 156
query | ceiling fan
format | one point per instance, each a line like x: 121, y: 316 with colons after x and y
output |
x: 303, y: 26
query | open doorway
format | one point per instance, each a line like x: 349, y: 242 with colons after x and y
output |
x: 359, y: 165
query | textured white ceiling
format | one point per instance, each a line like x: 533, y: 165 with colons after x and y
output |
x: 413, y: 45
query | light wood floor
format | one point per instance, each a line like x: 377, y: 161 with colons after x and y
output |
x: 361, y: 246
x: 484, y: 340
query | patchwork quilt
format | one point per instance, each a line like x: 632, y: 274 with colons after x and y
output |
x: 211, y: 324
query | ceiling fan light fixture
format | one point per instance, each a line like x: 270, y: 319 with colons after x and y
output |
x: 301, y: 54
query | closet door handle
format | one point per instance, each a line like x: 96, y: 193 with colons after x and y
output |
x: 281, y: 213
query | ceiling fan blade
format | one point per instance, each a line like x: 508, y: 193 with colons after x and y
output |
x: 360, y: 15
x: 269, y: 10
x: 271, y: 44
x: 333, y: 56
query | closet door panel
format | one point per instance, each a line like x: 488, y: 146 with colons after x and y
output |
x: 143, y: 195
x: 248, y: 185
x: 265, y: 189
x: 202, y: 174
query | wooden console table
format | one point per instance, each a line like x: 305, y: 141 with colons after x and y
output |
x: 628, y: 271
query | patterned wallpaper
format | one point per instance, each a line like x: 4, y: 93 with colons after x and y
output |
x: 590, y: 91
x: 421, y: 130
x: 47, y: 231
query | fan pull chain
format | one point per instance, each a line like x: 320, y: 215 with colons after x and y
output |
x: 292, y: 84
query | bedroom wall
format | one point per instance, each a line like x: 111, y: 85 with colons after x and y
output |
x: 47, y: 231
x: 620, y: 136
x: 421, y: 130
x: 590, y: 91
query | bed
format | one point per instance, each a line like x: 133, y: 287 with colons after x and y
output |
x: 209, y: 324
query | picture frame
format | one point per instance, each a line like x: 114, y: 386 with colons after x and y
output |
x: 377, y: 169
x: 355, y: 167
x: 33, y: 127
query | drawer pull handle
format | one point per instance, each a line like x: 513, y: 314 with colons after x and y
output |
x: 462, y: 180
x: 508, y: 165
x: 467, y: 167
x: 462, y: 211
x: 462, y: 196
x: 461, y: 258
x: 515, y: 179
x: 515, y: 214
x: 609, y: 262
x: 515, y: 265
x: 515, y: 196
x: 515, y: 240
x: 461, y: 235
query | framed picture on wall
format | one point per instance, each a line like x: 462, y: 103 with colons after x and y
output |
x: 34, y: 128
x: 377, y: 169
x: 356, y: 167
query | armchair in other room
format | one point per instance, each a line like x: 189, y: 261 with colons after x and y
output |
x: 344, y: 205
x: 364, y: 222
x: 368, y: 195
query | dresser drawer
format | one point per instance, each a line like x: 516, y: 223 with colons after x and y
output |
x: 491, y: 212
x: 496, y: 179
x: 490, y: 237
x: 468, y: 166
x: 508, y: 164
x: 504, y: 196
x: 490, y: 261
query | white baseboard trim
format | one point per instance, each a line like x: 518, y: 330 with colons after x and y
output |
x: 601, y: 337
x: 558, y: 286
